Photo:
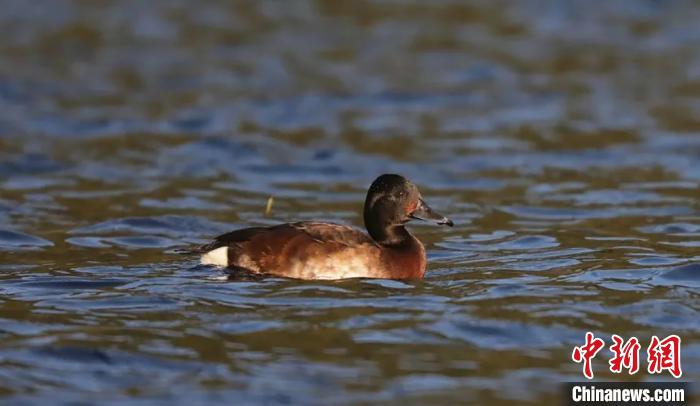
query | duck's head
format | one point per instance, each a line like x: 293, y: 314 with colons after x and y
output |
x: 392, y: 201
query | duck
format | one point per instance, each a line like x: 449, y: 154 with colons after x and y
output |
x: 312, y: 250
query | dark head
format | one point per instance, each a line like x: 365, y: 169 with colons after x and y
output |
x: 392, y: 201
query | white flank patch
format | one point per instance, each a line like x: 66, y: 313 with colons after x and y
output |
x: 217, y: 257
x: 218, y: 278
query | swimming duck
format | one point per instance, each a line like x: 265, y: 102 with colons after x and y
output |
x: 316, y: 250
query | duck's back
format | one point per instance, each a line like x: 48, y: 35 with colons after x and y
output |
x: 304, y: 250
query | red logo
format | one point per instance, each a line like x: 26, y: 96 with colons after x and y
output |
x: 625, y: 356
x: 587, y: 352
x: 665, y: 355
x: 662, y: 355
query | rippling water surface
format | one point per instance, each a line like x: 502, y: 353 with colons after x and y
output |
x: 563, y: 140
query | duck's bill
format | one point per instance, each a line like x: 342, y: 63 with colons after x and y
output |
x: 424, y: 212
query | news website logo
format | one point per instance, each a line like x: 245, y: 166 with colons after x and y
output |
x: 662, y: 355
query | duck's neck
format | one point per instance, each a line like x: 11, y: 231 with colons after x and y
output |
x: 404, y: 254
x: 391, y: 236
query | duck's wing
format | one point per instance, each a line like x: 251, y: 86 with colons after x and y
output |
x: 307, y: 250
x: 231, y: 238
x: 320, y: 232
x: 331, y: 233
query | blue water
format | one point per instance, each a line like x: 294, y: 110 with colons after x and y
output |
x: 562, y: 139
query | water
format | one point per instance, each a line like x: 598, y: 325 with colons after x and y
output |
x: 562, y: 139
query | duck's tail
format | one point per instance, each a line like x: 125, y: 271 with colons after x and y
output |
x: 211, y: 254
